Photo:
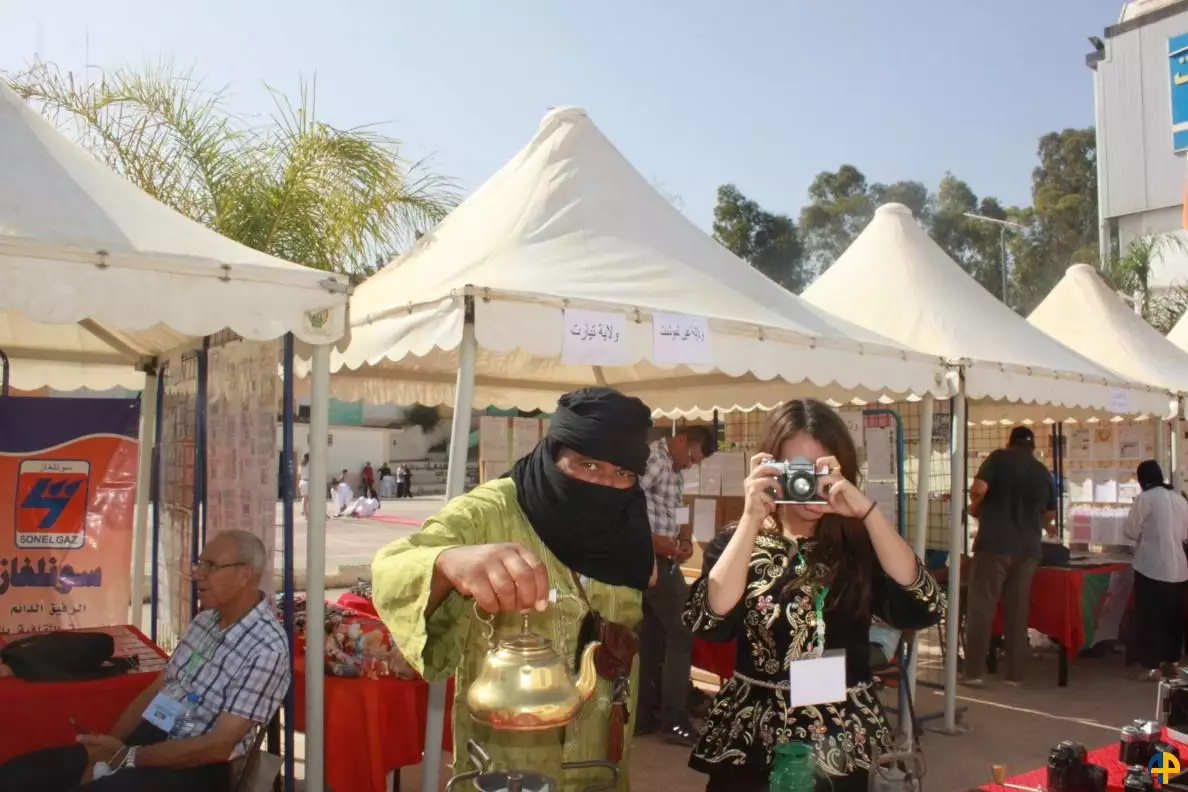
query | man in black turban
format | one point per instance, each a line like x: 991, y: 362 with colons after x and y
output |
x: 564, y: 539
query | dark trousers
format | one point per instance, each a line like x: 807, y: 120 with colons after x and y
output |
x: 1158, y: 621
x: 665, y: 650
x: 60, y: 770
x: 992, y: 577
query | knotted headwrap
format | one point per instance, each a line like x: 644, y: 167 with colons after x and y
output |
x: 595, y: 530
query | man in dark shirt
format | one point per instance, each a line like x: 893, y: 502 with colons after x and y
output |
x: 1014, y: 500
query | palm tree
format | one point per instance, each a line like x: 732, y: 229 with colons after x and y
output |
x: 295, y: 187
x: 1131, y: 272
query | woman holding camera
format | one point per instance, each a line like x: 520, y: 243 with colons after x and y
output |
x: 792, y: 583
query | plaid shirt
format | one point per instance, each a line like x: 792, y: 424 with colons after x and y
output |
x: 662, y: 485
x: 243, y: 670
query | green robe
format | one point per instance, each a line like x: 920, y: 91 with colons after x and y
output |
x: 454, y: 642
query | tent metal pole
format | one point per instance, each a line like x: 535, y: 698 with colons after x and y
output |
x: 287, y: 555
x: 957, y: 497
x: 455, y: 486
x: 144, y: 472
x: 315, y: 570
x: 155, y: 484
x: 920, y: 530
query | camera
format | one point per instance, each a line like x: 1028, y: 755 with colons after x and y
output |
x: 799, y: 479
x: 1070, y: 771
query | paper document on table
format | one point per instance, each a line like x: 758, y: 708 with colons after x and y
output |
x: 733, y: 465
x: 880, y: 452
x: 1080, y: 486
x: 1105, y: 491
x: 705, y: 519
x: 711, y: 476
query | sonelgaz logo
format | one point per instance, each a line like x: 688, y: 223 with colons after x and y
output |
x: 51, y: 503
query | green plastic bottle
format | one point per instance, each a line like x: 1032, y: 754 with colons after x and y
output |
x: 792, y: 770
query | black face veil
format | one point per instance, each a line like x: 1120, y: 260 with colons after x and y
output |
x: 597, y: 531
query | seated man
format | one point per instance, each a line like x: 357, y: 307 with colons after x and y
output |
x: 365, y: 506
x: 232, y: 662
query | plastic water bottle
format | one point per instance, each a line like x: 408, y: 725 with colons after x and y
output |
x: 187, y: 725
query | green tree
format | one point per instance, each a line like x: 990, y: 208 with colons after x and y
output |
x: 768, y: 242
x: 1131, y: 273
x: 974, y: 244
x: 842, y: 203
x: 296, y: 187
x: 1062, y: 220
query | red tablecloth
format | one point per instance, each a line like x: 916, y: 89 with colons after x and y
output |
x: 37, y: 714
x: 373, y: 726
x: 717, y: 658
x: 1106, y: 756
x: 1056, y: 604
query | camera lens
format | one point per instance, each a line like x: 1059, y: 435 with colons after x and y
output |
x: 802, y: 487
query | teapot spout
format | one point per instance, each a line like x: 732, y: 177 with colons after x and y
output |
x: 587, y: 672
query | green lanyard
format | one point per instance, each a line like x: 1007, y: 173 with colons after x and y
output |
x: 819, y: 595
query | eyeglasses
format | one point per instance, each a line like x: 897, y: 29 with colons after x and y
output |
x: 209, y: 567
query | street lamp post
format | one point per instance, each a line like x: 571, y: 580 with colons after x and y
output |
x: 1003, y: 225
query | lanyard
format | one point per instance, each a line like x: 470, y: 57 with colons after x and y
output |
x: 819, y: 595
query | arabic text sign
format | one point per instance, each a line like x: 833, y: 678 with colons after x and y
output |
x: 1177, y: 51
x: 595, y: 338
x: 678, y: 339
x: 67, y: 496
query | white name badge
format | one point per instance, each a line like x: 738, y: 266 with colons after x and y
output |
x: 682, y: 515
x: 818, y: 680
x: 163, y: 711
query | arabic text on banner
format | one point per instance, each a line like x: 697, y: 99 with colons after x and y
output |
x: 67, y: 496
x: 595, y: 338
x: 678, y: 339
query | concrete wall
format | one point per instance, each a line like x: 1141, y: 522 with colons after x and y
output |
x: 1140, y: 171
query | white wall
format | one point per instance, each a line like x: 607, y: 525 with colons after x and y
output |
x: 350, y: 448
x: 1140, y: 171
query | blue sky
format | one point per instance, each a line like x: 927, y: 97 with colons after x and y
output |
x: 761, y: 93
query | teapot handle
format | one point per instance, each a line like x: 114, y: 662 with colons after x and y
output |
x: 488, y: 622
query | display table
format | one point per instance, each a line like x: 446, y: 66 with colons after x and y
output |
x: 1098, y: 525
x: 1106, y: 756
x: 39, y: 714
x: 1064, y: 605
x: 373, y: 726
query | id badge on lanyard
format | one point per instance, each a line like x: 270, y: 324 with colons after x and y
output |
x: 819, y: 678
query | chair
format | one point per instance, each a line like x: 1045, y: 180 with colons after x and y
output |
x: 892, y: 675
x: 256, y: 769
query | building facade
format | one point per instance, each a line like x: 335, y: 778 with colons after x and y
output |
x: 1140, y: 82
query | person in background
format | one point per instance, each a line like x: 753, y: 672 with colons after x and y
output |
x: 234, y: 657
x: 303, y: 484
x: 569, y: 518
x: 401, y: 480
x: 408, y: 477
x: 367, y: 478
x: 343, y: 495
x: 385, y: 473
x: 366, y: 505
x: 1014, y: 501
x: 1158, y: 524
x: 790, y: 582
x: 666, y: 645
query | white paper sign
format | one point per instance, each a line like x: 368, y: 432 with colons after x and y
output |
x: 856, y: 422
x: 880, y: 452
x: 595, y: 338
x: 820, y: 680
x: 1119, y: 400
x: 679, y: 339
x: 705, y: 519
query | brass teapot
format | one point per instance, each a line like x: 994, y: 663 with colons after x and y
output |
x: 525, y: 685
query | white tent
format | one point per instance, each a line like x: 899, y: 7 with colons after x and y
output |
x: 95, y: 273
x: 569, y: 223
x: 81, y: 247
x: 1179, y: 334
x: 1086, y: 315
x: 895, y: 280
x: 476, y: 313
